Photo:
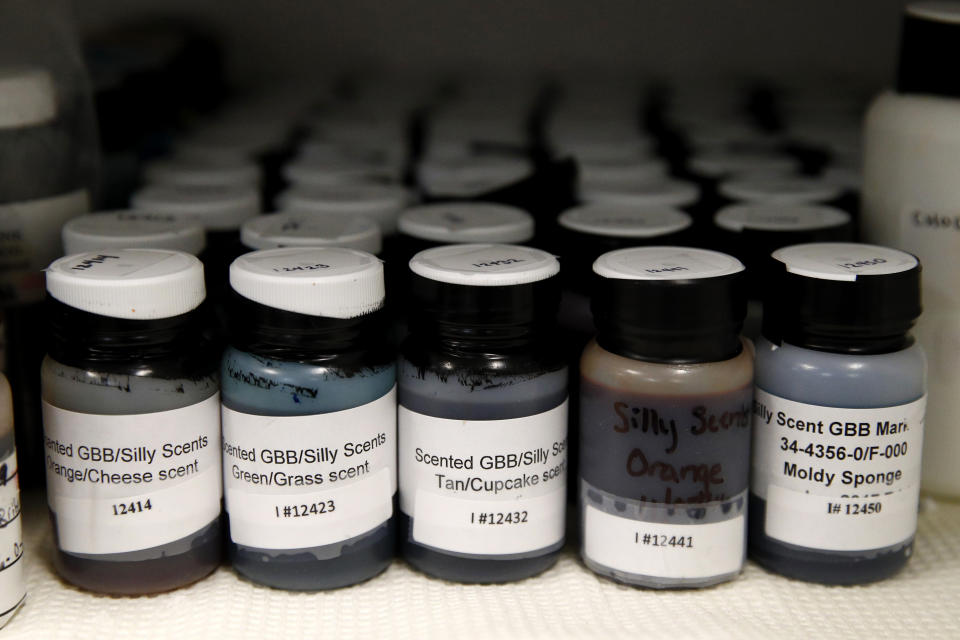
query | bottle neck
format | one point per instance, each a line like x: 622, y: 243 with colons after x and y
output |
x: 839, y: 340
x: 82, y: 339
x: 297, y: 337
x: 671, y: 347
x: 478, y: 319
x: 471, y: 338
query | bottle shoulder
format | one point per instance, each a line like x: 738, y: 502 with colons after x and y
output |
x: 602, y: 367
x: 266, y: 386
x: 835, y: 379
x: 137, y: 389
x: 434, y: 357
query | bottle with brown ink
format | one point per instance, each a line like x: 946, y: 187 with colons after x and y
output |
x: 665, y: 397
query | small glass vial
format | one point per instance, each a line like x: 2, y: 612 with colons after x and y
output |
x: 219, y: 210
x: 13, y: 583
x: 290, y: 229
x: 45, y: 180
x: 665, y: 393
x: 433, y: 225
x: 613, y: 174
x: 717, y: 165
x: 779, y: 190
x: 838, y: 414
x: 442, y: 223
x: 309, y: 419
x: 132, y: 230
x: 483, y: 415
x: 206, y: 172
x: 313, y: 172
x: 681, y: 194
x: 469, y: 177
x: 586, y: 232
x: 131, y: 422
x: 751, y: 232
x: 382, y: 203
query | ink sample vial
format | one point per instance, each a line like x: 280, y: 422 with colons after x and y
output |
x: 131, y: 419
x: 219, y: 210
x: 44, y: 181
x: 13, y: 583
x: 598, y: 174
x: 131, y: 229
x: 665, y: 397
x: 333, y: 172
x: 782, y: 190
x: 483, y: 415
x: 838, y: 414
x: 751, y: 232
x: 382, y: 203
x: 309, y: 419
x: 586, y: 232
x: 430, y: 225
x: 656, y: 193
x: 278, y: 230
x: 206, y: 172
x: 469, y: 177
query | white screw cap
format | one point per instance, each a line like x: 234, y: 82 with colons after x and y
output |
x: 316, y: 281
x: 134, y: 284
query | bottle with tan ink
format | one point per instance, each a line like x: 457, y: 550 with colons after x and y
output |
x: 665, y: 398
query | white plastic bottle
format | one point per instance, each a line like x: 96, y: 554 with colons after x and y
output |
x: 911, y: 200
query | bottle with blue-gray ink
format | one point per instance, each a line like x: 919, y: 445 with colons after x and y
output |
x: 482, y: 421
x: 838, y: 414
x: 309, y: 418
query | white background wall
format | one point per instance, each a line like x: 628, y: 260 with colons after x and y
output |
x: 672, y: 37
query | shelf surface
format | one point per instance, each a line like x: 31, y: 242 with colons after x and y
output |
x: 568, y: 601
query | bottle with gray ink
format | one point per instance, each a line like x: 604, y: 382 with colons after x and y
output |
x: 309, y: 419
x: 838, y: 414
x: 483, y: 415
x: 131, y: 422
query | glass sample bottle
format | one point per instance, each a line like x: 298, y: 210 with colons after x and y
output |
x: 13, y: 583
x: 483, y: 415
x: 655, y: 193
x: 910, y: 193
x: 131, y: 230
x: 751, y: 232
x: 382, y: 203
x: 586, y: 232
x: 206, y: 172
x: 44, y: 181
x: 665, y: 393
x: 838, y: 414
x: 432, y: 225
x: 290, y: 229
x: 131, y: 422
x: 309, y: 419
x: 219, y: 210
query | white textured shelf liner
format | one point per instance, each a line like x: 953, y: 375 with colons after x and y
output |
x: 566, y: 602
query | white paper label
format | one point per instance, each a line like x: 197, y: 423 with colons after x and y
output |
x: 131, y: 482
x: 837, y: 479
x: 13, y: 586
x: 664, y: 550
x: 487, y: 487
x: 297, y: 482
x: 30, y: 240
